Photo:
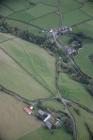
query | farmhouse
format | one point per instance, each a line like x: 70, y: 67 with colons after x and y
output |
x: 50, y: 120
x: 70, y: 50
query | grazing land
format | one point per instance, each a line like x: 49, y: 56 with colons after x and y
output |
x: 83, y: 58
x: 44, y: 75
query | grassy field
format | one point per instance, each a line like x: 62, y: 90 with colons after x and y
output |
x: 46, y: 22
x: 34, y: 59
x: 53, y: 105
x: 75, y: 17
x: 14, y: 123
x: 47, y: 12
x: 42, y: 10
x: 4, y: 10
x: 83, y: 60
x: 14, y: 78
x: 86, y: 28
x: 16, y: 5
x: 74, y: 91
x: 88, y: 8
x: 43, y: 134
x: 84, y: 117
x: 5, y: 37
x: 30, y: 71
x: 24, y: 16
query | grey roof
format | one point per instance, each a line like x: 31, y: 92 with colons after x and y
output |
x: 41, y: 112
x: 48, y: 124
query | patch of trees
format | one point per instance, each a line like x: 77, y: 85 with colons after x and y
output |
x: 91, y: 58
x: 26, y: 35
x: 77, y: 39
x: 89, y: 87
x: 5, y: 28
x: 68, y: 125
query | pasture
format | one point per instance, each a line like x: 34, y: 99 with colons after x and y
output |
x: 37, y: 80
x: 81, y: 119
x: 82, y: 59
x: 47, y: 15
x: 15, y: 79
x: 35, y: 60
x: 43, y: 134
x: 74, y: 91
x: 29, y: 70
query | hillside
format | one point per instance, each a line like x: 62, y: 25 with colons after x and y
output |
x: 46, y: 62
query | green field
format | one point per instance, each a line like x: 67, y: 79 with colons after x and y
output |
x: 4, y: 10
x: 29, y: 70
x: 42, y: 10
x: 34, y: 59
x: 14, y: 78
x: 38, y: 63
x: 74, y: 91
x: 16, y: 5
x: 24, y: 16
x: 88, y: 8
x: 53, y: 105
x: 43, y: 134
x: 5, y: 37
x: 46, y: 22
x: 84, y: 117
x: 47, y: 15
x: 82, y: 59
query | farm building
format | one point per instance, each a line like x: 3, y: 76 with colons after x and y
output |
x: 50, y: 120
x: 28, y: 109
x: 41, y: 114
x: 69, y: 50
